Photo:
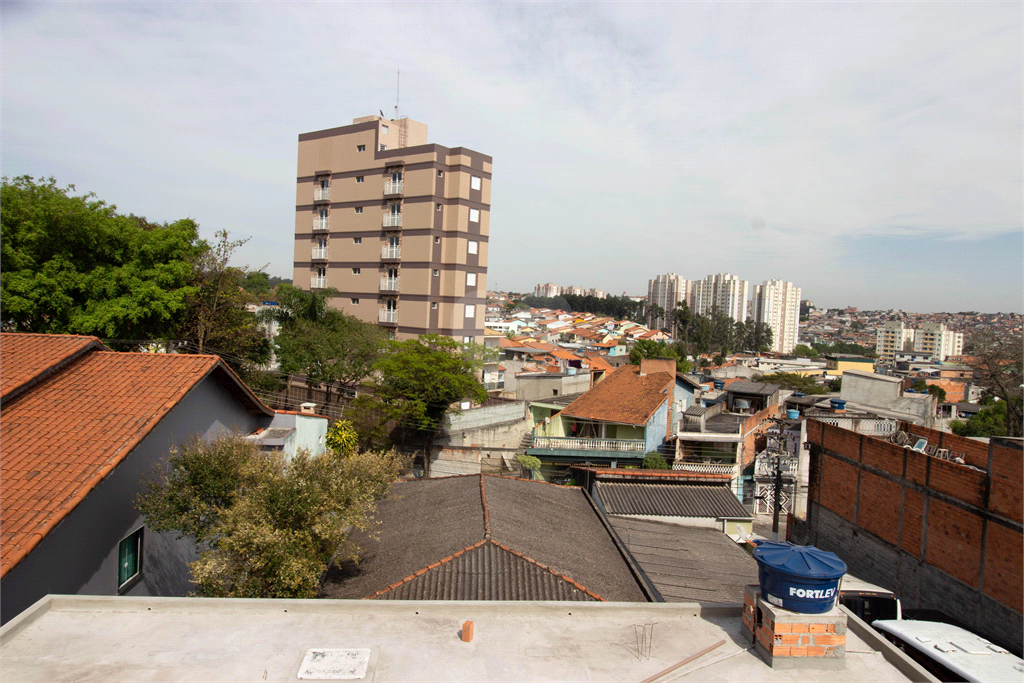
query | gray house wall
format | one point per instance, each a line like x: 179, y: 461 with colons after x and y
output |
x: 79, y: 556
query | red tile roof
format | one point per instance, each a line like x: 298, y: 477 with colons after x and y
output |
x: 599, y: 363
x: 28, y: 356
x: 65, y: 434
x: 624, y: 397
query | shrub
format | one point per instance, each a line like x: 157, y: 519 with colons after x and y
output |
x: 655, y: 461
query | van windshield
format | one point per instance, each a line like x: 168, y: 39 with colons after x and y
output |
x: 871, y: 607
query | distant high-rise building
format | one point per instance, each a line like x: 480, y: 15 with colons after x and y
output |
x: 546, y: 290
x: 723, y: 291
x: 892, y: 337
x: 666, y: 291
x: 777, y: 304
x: 938, y: 341
x: 398, y: 226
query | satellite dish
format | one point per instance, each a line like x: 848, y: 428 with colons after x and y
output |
x: 382, y: 113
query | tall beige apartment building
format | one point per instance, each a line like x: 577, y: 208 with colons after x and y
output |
x: 397, y: 225
x: 723, y: 291
x: 938, y: 341
x: 891, y: 338
x: 777, y: 303
x: 667, y: 291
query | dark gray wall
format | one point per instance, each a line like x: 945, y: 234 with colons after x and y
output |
x: 918, y: 584
x: 79, y: 556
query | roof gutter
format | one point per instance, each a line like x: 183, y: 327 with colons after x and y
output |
x: 646, y: 585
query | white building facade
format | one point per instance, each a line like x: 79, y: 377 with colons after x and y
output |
x: 891, y: 337
x: 726, y: 292
x: 936, y: 340
x: 777, y: 304
x: 667, y: 291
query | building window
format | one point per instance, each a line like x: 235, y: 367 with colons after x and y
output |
x: 355, y: 301
x: 359, y: 178
x: 471, y: 279
x: 437, y: 273
x: 437, y: 207
x: 383, y: 147
x: 360, y: 148
x: 440, y: 174
x: 357, y: 240
x: 383, y: 130
x: 437, y: 240
x: 474, y: 215
x: 359, y: 209
x: 467, y: 340
x: 356, y: 271
x: 129, y: 561
x: 433, y: 305
x: 472, y: 247
x: 474, y: 183
x: 470, y: 311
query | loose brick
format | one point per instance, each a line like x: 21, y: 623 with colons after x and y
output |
x: 467, y: 631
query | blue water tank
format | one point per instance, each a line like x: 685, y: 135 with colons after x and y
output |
x: 800, y: 578
x: 719, y: 384
x: 837, y: 404
x: 799, y: 394
x: 793, y: 414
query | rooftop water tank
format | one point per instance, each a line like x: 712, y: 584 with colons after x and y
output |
x: 792, y: 414
x: 799, y: 394
x: 719, y: 384
x: 800, y: 578
x: 837, y: 404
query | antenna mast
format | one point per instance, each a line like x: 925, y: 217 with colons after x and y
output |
x: 398, y: 82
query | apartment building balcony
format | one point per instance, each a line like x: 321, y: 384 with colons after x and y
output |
x: 319, y: 253
x: 393, y: 187
x: 321, y: 194
x: 494, y: 386
x: 388, y: 317
x: 565, y: 444
x: 317, y: 282
x: 320, y: 224
x: 392, y: 220
x: 389, y: 284
x: 390, y: 253
x: 707, y: 468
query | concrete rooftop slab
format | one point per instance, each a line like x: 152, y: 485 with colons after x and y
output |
x: 85, y: 638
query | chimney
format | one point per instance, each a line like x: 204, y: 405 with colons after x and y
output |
x: 308, y: 409
x: 652, y: 365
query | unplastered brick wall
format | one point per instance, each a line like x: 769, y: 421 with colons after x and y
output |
x: 921, y: 525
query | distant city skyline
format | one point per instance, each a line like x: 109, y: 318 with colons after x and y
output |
x: 870, y: 152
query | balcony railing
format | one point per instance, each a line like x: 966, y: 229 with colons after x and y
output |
x: 392, y: 220
x: 320, y: 224
x: 491, y: 386
x: 390, y: 252
x: 389, y: 284
x: 321, y: 194
x: 319, y: 253
x: 393, y: 186
x: 317, y: 282
x: 704, y: 468
x: 577, y: 444
x: 386, y: 316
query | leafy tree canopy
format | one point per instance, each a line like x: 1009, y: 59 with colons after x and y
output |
x: 804, y: 351
x: 268, y: 526
x: 990, y: 421
x: 998, y: 363
x: 647, y: 348
x: 74, y: 265
x: 654, y: 461
x: 793, y: 381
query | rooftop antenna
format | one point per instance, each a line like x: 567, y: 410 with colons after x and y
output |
x: 398, y: 83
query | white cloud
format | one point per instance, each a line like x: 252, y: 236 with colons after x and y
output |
x: 642, y: 138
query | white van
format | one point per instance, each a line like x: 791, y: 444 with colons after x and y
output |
x: 951, y: 653
x: 868, y: 601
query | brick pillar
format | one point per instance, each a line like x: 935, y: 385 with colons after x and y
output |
x: 790, y: 640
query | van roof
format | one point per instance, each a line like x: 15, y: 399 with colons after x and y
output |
x: 851, y: 583
x: 959, y: 650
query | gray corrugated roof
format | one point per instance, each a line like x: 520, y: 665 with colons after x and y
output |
x: 756, y: 388
x: 487, y: 572
x: 669, y: 500
x: 687, y: 564
x: 696, y: 411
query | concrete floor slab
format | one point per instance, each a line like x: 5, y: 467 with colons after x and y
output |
x: 79, y: 638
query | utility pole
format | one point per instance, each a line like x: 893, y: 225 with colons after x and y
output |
x: 777, y: 454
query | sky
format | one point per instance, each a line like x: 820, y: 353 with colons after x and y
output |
x: 871, y: 153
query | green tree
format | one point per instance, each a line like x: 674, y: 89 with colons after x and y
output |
x: 998, y: 363
x: 654, y: 461
x: 267, y: 526
x: 257, y: 283
x: 804, y: 351
x: 418, y: 380
x: 793, y: 381
x: 938, y: 392
x: 646, y: 348
x: 73, y: 265
x: 759, y: 337
x: 529, y: 463
x: 835, y: 385
x: 989, y: 421
x: 919, y: 385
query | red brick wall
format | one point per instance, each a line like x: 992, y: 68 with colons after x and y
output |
x: 954, y: 533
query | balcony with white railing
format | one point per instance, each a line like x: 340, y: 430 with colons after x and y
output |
x: 393, y: 187
x: 390, y: 252
x: 319, y: 253
x: 579, y: 444
x: 321, y: 194
x: 705, y: 468
x: 392, y: 220
x: 386, y: 316
x: 389, y: 284
x: 320, y: 224
x: 317, y: 282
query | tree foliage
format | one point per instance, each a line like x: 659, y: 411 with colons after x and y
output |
x: 267, y: 526
x: 804, y: 351
x: 618, y: 307
x: 647, y: 348
x: 73, y: 265
x: 793, y: 381
x: 654, y: 461
x: 998, y: 363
